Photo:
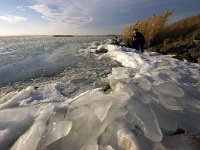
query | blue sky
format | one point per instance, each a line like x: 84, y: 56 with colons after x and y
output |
x: 24, y: 17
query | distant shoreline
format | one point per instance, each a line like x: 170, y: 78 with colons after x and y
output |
x: 63, y: 36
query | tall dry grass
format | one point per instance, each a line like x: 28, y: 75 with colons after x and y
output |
x: 151, y: 28
x: 185, y: 28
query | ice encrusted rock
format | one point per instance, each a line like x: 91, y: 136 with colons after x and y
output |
x: 101, y: 49
x: 169, y: 88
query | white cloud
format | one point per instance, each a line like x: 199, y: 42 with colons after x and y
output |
x: 78, y: 12
x: 12, y: 19
x: 61, y: 15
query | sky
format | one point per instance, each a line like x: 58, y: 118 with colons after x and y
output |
x: 84, y: 17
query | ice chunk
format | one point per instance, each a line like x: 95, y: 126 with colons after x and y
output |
x: 93, y: 45
x: 170, y: 102
x: 56, y: 131
x: 30, y: 139
x: 7, y: 96
x: 101, y: 108
x: 144, y: 83
x: 87, y: 98
x: 145, y: 98
x: 169, y: 88
x: 24, y: 94
x: 86, y: 126
x: 122, y: 92
x: 119, y: 73
x: 145, y: 118
x: 166, y: 119
x: 13, y: 123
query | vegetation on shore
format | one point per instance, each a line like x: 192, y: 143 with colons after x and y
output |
x: 181, y: 38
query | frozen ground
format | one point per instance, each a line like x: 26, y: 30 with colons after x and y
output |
x: 150, y: 100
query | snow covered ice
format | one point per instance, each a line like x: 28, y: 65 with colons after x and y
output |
x: 152, y: 96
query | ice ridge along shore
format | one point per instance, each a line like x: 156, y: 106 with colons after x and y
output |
x: 152, y: 97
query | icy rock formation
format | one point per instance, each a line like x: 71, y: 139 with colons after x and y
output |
x: 101, y: 49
